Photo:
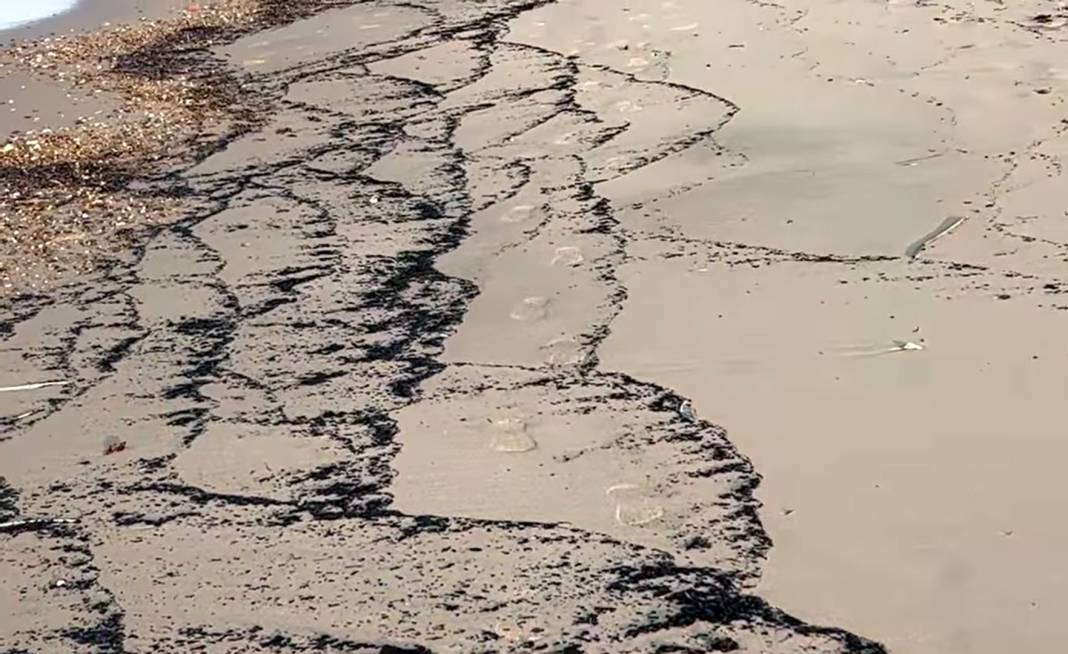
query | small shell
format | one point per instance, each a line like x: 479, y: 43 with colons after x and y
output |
x: 908, y: 346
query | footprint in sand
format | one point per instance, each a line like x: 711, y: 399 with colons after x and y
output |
x: 564, y: 351
x: 634, y: 505
x: 518, y: 214
x: 567, y: 138
x: 654, y: 65
x: 510, y: 435
x: 531, y: 309
x: 567, y: 256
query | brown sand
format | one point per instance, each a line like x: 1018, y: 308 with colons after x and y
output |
x: 434, y: 357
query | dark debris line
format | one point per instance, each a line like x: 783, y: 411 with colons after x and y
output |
x: 300, y: 298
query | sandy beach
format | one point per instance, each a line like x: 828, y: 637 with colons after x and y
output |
x: 533, y: 325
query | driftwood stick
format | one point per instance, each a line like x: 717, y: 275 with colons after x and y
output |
x: 32, y: 387
x: 33, y: 523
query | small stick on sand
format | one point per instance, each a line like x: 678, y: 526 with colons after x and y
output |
x: 945, y: 227
x: 32, y: 387
x: 33, y: 523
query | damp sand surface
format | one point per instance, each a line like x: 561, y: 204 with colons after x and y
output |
x: 910, y: 494
x: 557, y: 314
x: 897, y: 483
x: 366, y: 341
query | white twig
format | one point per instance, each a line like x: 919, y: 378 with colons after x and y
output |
x: 32, y: 387
x: 33, y: 523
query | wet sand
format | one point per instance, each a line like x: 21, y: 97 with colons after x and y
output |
x: 565, y: 326
x: 205, y: 438
x: 910, y: 495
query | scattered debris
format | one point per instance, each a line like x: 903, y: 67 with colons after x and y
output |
x: 66, y: 195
